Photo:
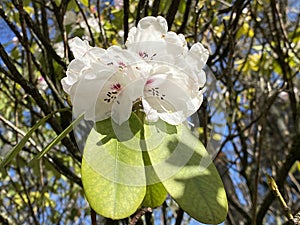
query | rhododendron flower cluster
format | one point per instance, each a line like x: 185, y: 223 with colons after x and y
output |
x: 156, y: 71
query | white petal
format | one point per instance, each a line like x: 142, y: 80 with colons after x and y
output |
x: 175, y: 118
x: 121, y: 111
x: 84, y: 99
x: 148, y: 29
x: 177, y: 73
x: 106, y: 91
x: 93, y: 54
x: 122, y: 106
x: 153, y: 44
x: 73, y: 74
x: 197, y: 56
x: 172, y: 100
x: 79, y: 47
x: 201, y: 78
x: 151, y: 38
x: 151, y: 114
x: 177, y: 40
x: 159, y: 23
x: 131, y: 35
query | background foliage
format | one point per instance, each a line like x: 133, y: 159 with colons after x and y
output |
x: 255, y: 57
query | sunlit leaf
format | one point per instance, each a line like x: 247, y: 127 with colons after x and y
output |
x: 85, y: 2
x: 196, y: 186
x: 112, y: 172
x: 128, y: 166
x: 155, y: 191
x: 28, y: 9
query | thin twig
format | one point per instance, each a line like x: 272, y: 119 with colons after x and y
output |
x: 19, y: 131
x: 102, y: 32
x: 26, y: 42
x: 139, y: 214
x: 172, y: 12
x: 185, y: 16
x: 164, y: 212
x: 292, y: 157
x: 125, y: 19
x: 197, y: 13
x: 34, y: 92
x: 86, y: 22
x: 179, y: 217
x: 139, y: 11
x: 93, y: 217
x: 155, y: 7
x: 28, y: 200
x: 256, y: 179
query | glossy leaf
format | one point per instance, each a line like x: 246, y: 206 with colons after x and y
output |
x: 125, y: 167
x: 116, y: 170
x: 155, y: 195
x: 155, y: 191
x: 112, y: 172
x: 196, y: 186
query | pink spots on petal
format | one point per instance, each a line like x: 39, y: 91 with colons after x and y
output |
x: 122, y: 66
x: 116, y: 87
x: 143, y: 55
x: 149, y: 81
x: 146, y: 56
x: 112, y: 95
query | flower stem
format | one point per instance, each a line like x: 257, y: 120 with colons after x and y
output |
x: 137, y: 108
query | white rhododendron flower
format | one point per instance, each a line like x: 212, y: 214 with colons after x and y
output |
x: 156, y: 69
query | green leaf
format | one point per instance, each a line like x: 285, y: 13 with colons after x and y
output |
x: 73, y: 6
x: 112, y: 169
x: 85, y: 2
x: 57, y: 139
x: 57, y: 2
x: 12, y: 154
x: 133, y: 165
x: 190, y: 177
x: 155, y: 195
x: 155, y: 191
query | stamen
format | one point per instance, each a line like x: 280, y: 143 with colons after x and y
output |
x: 153, y: 56
x: 145, y: 55
x: 156, y: 93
